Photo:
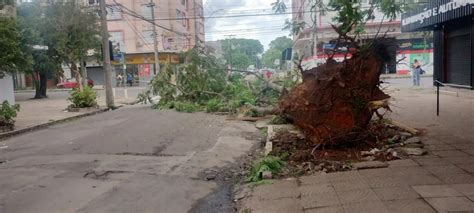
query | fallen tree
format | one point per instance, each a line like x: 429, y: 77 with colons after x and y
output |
x: 203, y: 84
x: 336, y: 101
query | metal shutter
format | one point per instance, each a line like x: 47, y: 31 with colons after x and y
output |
x: 458, y: 59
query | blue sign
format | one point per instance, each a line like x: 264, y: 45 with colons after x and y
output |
x: 329, y: 46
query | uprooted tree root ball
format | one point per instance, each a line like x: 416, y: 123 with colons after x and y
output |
x: 336, y: 101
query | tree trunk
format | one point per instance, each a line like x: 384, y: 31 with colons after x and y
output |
x: 41, y: 85
x: 78, y: 76
x: 84, y: 73
x: 333, y: 103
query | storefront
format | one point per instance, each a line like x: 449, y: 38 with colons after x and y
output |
x: 453, y: 36
x: 141, y: 66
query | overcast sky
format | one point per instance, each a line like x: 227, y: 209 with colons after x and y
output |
x: 263, y: 28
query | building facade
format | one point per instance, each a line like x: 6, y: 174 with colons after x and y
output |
x: 179, y: 27
x: 451, y: 22
x: 318, y: 39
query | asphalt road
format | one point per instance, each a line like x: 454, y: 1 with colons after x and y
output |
x: 134, y: 159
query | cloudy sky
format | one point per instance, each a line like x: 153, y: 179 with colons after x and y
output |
x: 263, y: 28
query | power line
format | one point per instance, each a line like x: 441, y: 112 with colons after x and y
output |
x: 134, y: 14
x: 140, y: 35
x: 231, y: 16
x: 245, y: 15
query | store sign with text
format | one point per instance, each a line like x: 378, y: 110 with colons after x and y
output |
x: 436, y: 11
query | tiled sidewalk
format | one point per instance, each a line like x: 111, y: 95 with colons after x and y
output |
x: 442, y: 181
x: 406, y: 186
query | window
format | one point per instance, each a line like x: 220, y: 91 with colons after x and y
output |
x: 146, y: 11
x: 201, y: 28
x: 114, y: 13
x: 148, y: 36
x: 116, y: 37
x: 185, y: 4
x: 181, y: 16
x: 187, y: 43
x: 199, y: 11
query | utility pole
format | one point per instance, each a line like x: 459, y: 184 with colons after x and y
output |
x: 230, y: 50
x: 156, y: 70
x: 314, y: 39
x: 197, y: 42
x: 109, y: 96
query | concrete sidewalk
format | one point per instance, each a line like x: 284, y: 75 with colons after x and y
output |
x: 442, y: 181
x: 41, y: 112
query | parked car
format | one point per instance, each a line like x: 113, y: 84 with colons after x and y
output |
x: 72, y: 83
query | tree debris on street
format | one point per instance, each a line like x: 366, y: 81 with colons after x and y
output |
x: 203, y: 84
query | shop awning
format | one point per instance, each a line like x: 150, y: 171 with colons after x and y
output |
x: 435, y: 12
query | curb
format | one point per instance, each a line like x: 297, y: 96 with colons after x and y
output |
x: 401, y: 76
x: 52, y: 90
x: 10, y: 134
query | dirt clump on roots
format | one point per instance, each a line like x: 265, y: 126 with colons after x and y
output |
x: 334, y: 103
x: 305, y: 157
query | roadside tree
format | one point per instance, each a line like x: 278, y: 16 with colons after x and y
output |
x: 274, y: 52
x: 34, y: 36
x: 11, y: 57
x: 235, y: 50
x: 73, y: 33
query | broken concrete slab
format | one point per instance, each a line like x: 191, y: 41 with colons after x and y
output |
x: 415, y: 145
x: 274, y: 129
x: 369, y: 165
x: 269, y: 144
x: 260, y: 124
x: 428, y: 191
x: 413, y: 140
x: 414, y: 151
x: 451, y: 204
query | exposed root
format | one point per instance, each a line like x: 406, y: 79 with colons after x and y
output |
x: 336, y: 101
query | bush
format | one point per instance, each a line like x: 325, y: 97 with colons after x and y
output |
x: 86, y: 98
x: 8, y: 113
x: 180, y: 106
x: 203, y: 84
x: 184, y: 106
x: 214, y: 105
x: 268, y: 163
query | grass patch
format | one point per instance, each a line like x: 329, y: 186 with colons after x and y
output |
x: 278, y: 120
x: 180, y: 106
x: 214, y: 105
x: 268, y: 163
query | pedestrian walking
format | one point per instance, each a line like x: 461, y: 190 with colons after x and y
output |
x: 130, y: 79
x: 416, y: 72
x: 119, y: 80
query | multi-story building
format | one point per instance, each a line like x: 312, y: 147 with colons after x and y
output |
x: 452, y: 26
x: 179, y: 27
x: 318, y: 38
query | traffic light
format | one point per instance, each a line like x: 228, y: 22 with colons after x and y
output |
x: 111, y: 51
